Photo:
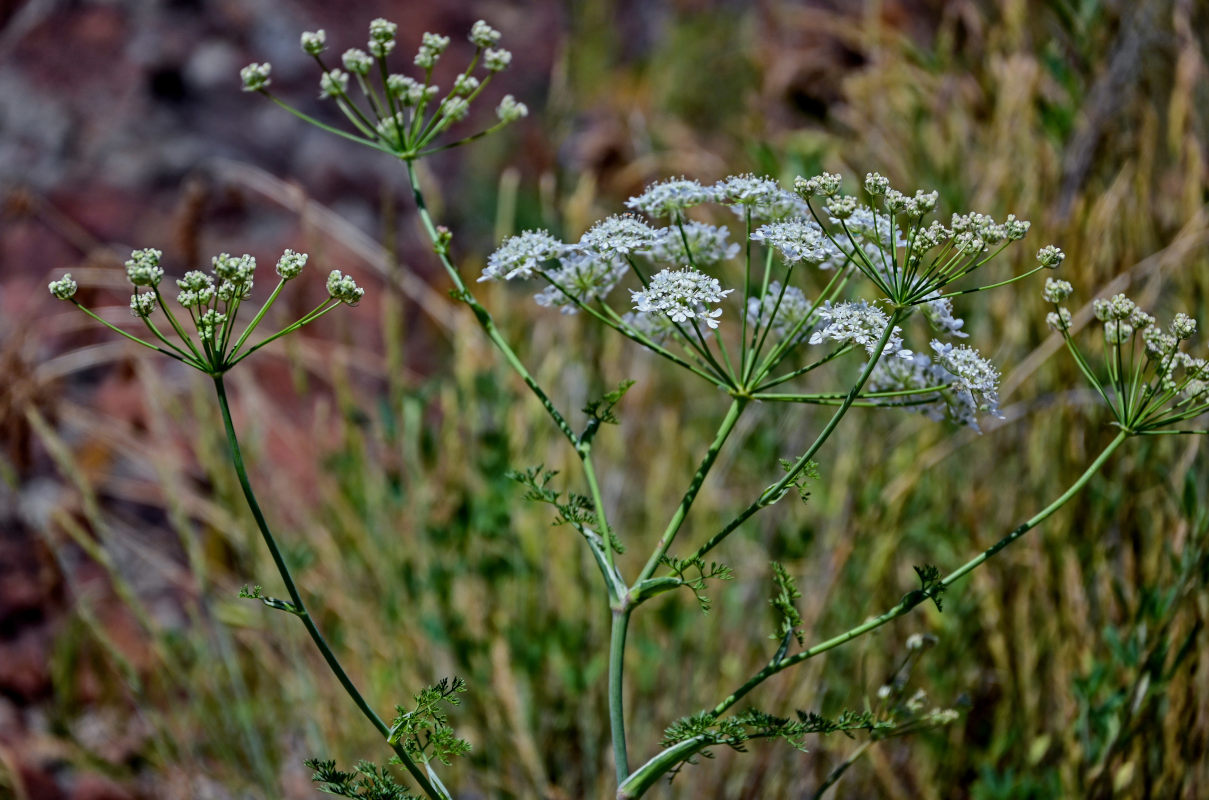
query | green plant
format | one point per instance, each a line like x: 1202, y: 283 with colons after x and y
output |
x: 877, y: 243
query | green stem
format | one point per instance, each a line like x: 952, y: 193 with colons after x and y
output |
x: 777, y: 490
x: 621, y: 622
x: 912, y: 599
x: 686, y: 502
x: 300, y: 609
x: 485, y: 320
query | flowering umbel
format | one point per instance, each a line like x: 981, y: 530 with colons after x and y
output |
x: 210, y: 302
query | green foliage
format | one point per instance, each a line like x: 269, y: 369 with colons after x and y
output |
x: 602, y: 410
x: 931, y: 585
x: 694, y: 572
x: 783, y: 602
x: 367, y: 781
x: 424, y: 731
x: 808, y: 473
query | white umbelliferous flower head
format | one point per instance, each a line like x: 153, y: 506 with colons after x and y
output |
x: 823, y: 185
x: 509, y: 110
x: 141, y: 305
x: 483, y: 35
x: 143, y: 267
x: 1056, y: 291
x: 343, y: 288
x: 971, y: 373
x: 290, y: 264
x: 622, y: 234
x: 314, y: 42
x: 255, y: 77
x: 939, y: 312
x: 382, y: 30
x: 1015, y: 228
x: 875, y: 184
x: 671, y: 197
x: 455, y: 109
x: 197, y: 289
x: 797, y: 240
x: 234, y: 269
x: 496, y: 60
x: 431, y: 47
x: 210, y: 324
x: 518, y: 256
x: 842, y: 207
x: 682, y: 295
x: 707, y: 244
x: 1183, y: 326
x: 333, y: 83
x: 748, y: 190
x: 858, y: 323
x: 382, y: 37
x: 357, y: 61
x: 1050, y: 257
x: 1059, y: 320
x: 64, y: 288
x: 582, y: 277
x: 464, y: 85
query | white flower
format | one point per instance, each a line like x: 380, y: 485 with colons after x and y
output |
x: 509, y: 110
x: 234, y: 269
x: 255, y: 77
x: 381, y: 30
x: 748, y: 190
x: 671, y: 197
x: 143, y: 267
x: 314, y: 42
x: 333, y: 83
x: 518, y: 256
x: 586, y: 277
x: 357, y: 61
x: 797, y: 240
x: 858, y: 323
x: 210, y: 324
x: 876, y: 184
x: 64, y: 288
x: 1059, y: 320
x: 973, y: 377
x: 1050, y: 257
x: 707, y: 244
x: 1056, y: 291
x: 842, y: 207
x: 343, y: 288
x: 939, y: 311
x: 496, y: 60
x: 290, y: 264
x: 823, y: 185
x: 682, y: 295
x: 141, y: 305
x: 791, y: 308
x: 483, y: 35
x: 1183, y: 326
x: 623, y: 234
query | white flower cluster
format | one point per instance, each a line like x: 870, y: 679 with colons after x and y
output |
x: 255, y: 77
x: 939, y: 312
x: 64, y: 288
x: 682, y: 295
x: 622, y: 234
x: 858, y: 323
x: 797, y: 240
x: 343, y: 288
x: 581, y: 278
x: 290, y: 265
x: 143, y: 267
x: 786, y: 307
x: 969, y: 384
x: 707, y: 244
x: 671, y: 197
x: 519, y: 256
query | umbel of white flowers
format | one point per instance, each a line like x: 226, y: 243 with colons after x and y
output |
x: 682, y: 270
x: 401, y: 115
x: 209, y: 302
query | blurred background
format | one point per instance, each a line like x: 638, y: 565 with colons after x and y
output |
x: 379, y: 440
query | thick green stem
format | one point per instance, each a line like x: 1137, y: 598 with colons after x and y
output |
x: 621, y: 622
x: 299, y: 607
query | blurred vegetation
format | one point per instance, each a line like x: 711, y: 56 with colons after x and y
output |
x: 1075, y: 656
